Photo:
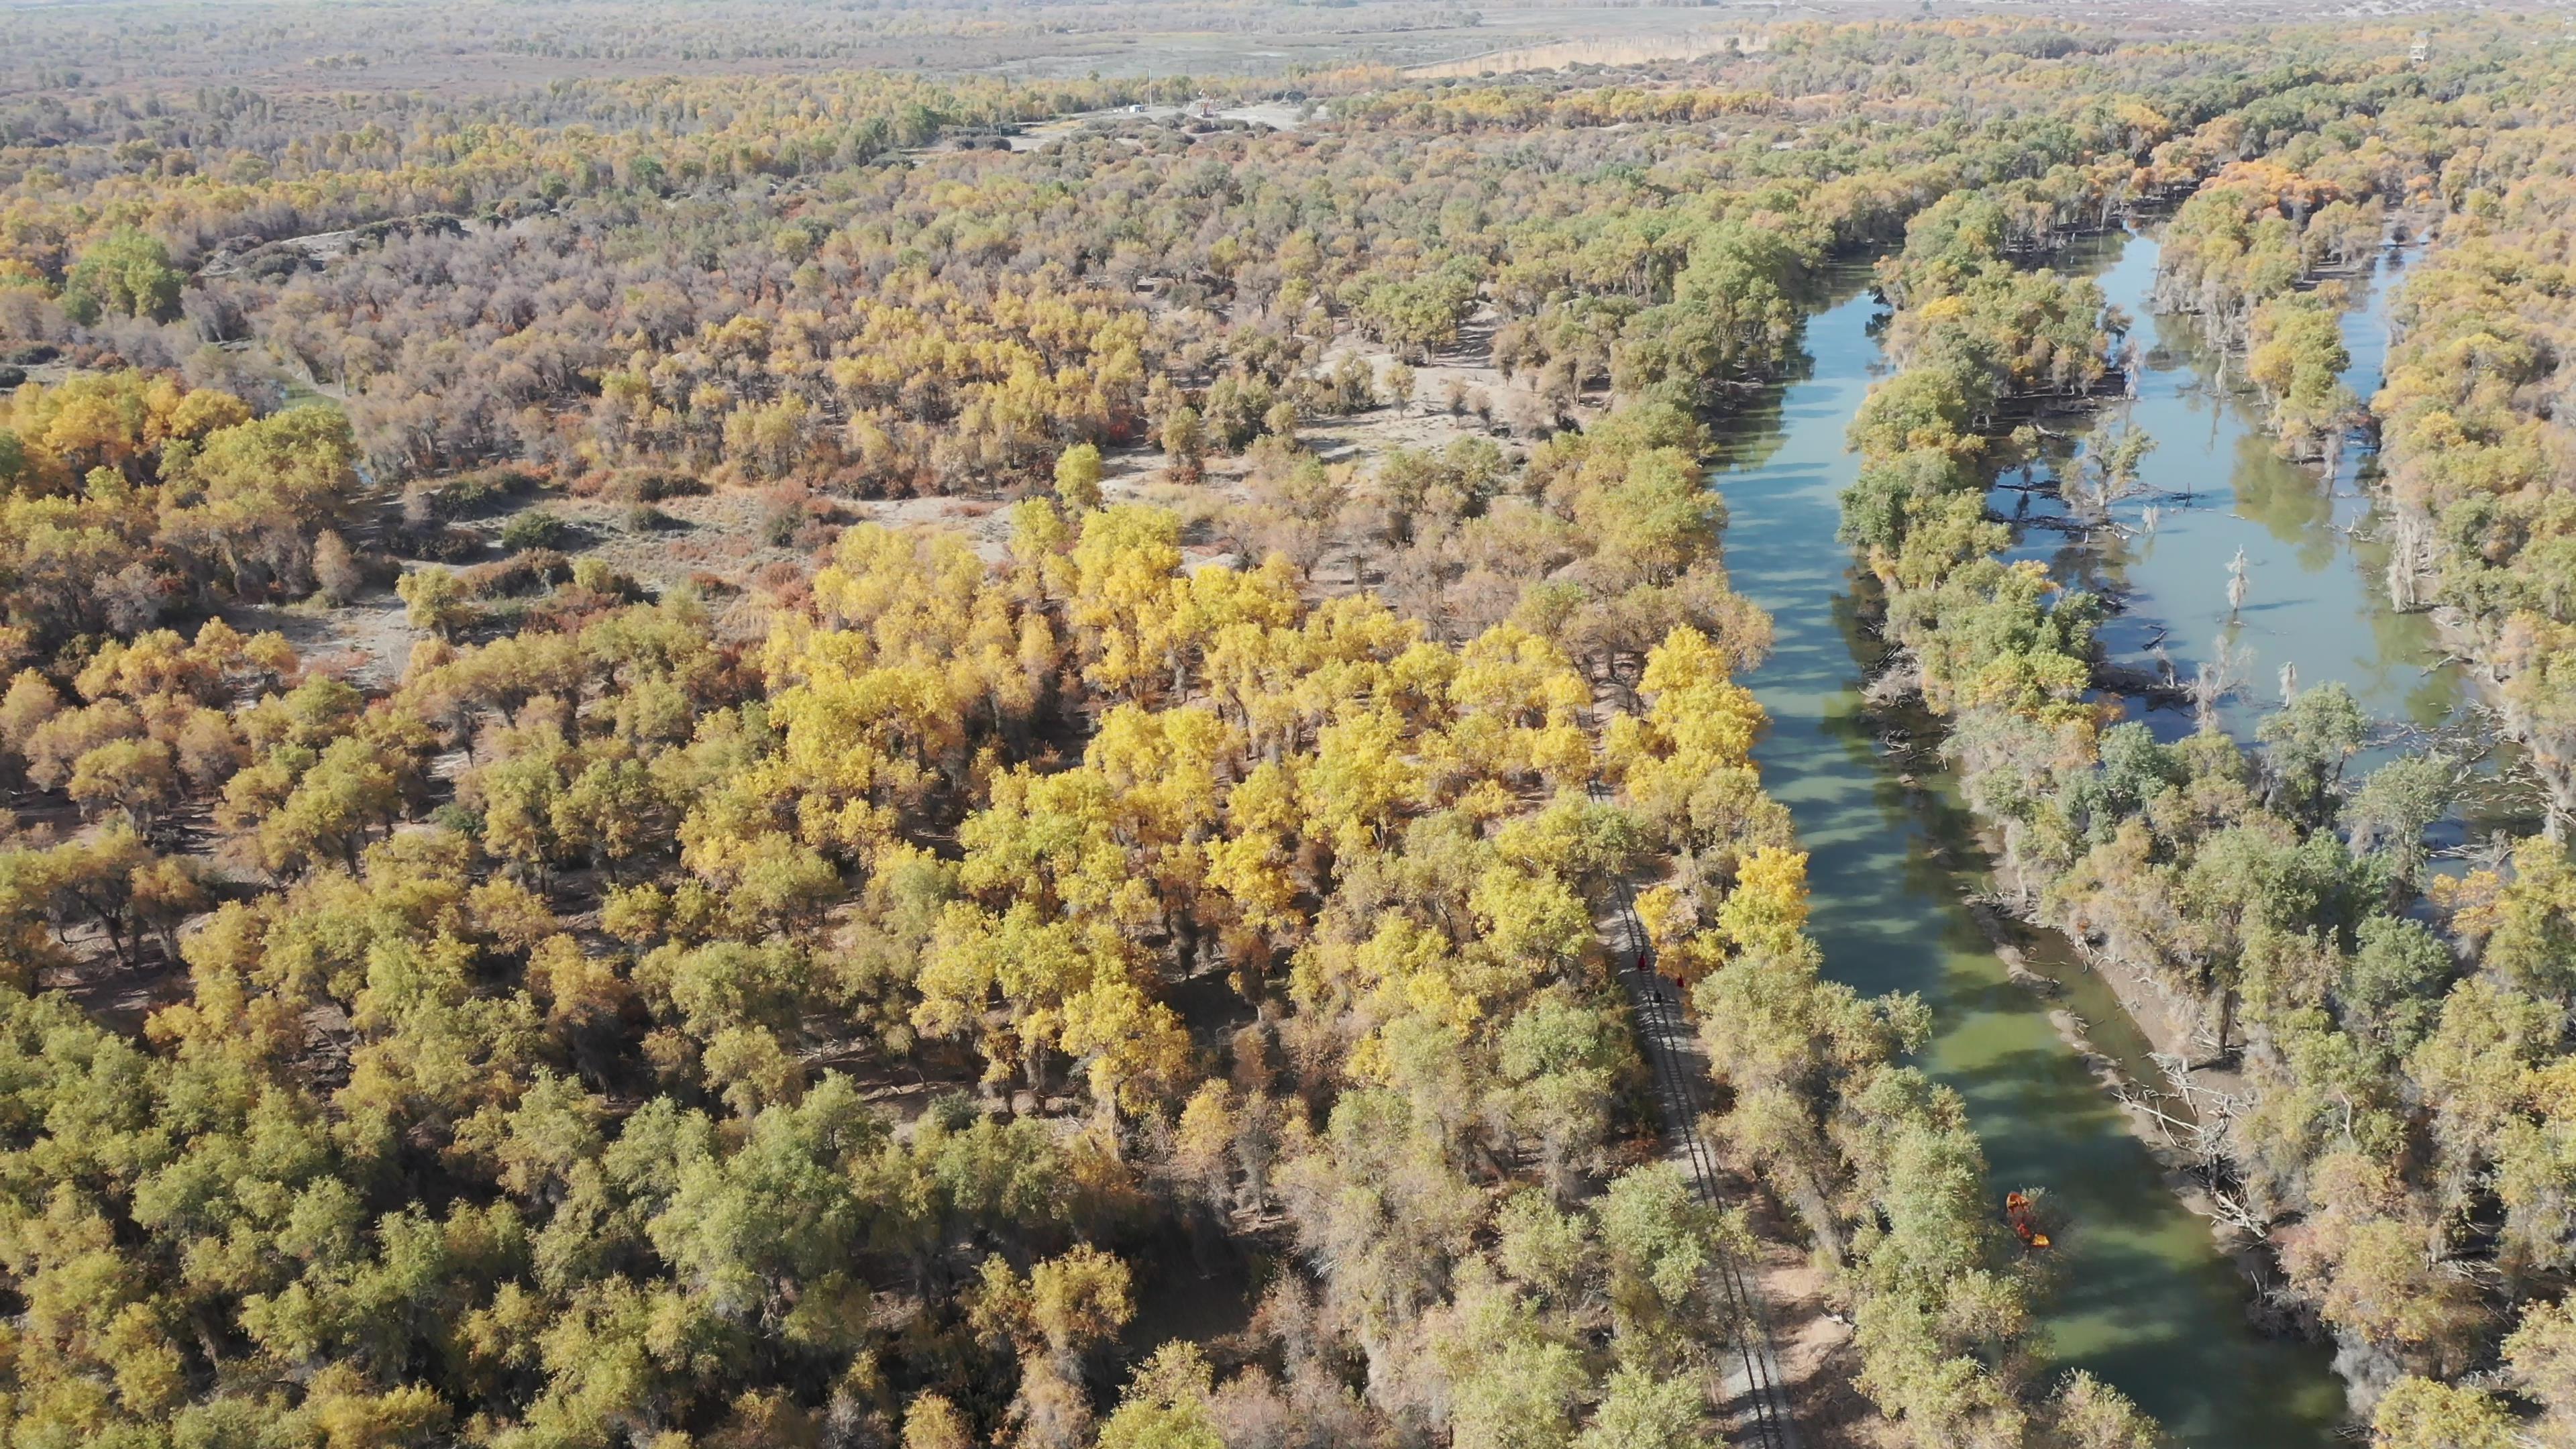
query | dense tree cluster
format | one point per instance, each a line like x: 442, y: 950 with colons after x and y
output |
x: 130, y: 496
x: 2476, y: 463
x: 431, y: 1148
x: 404, y: 46
x: 1976, y: 335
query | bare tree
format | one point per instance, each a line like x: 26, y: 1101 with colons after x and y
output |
x: 2220, y: 676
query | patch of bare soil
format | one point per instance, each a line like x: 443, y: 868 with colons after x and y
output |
x: 1814, y: 1343
x: 1454, y: 396
x: 117, y: 994
x: 727, y: 537
x: 1594, y: 51
x: 366, y: 642
x: 722, y: 534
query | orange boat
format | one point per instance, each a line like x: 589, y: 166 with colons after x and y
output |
x: 2017, y: 1211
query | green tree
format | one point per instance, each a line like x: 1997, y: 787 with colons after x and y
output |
x: 2090, y: 1414
x: 2307, y: 743
x: 127, y: 271
x: 1641, y: 1411
x: 2422, y: 1414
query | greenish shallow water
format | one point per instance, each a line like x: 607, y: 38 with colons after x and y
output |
x: 2144, y: 1298
x: 2316, y: 600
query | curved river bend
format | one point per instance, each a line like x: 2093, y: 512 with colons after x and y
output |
x: 2143, y: 1295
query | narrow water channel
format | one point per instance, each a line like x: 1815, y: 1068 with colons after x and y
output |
x: 2143, y: 1296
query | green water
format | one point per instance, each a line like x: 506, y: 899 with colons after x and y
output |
x: 2144, y: 1297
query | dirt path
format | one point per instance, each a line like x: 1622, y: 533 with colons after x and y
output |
x: 1758, y: 1394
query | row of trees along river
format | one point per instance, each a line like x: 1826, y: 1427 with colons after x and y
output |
x: 2144, y: 1293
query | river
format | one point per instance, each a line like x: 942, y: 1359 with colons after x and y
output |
x: 2141, y: 1293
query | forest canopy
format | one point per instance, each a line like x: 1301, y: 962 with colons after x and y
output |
x: 818, y: 754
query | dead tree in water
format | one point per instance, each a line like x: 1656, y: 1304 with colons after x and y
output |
x: 2221, y: 675
x: 2108, y: 471
x: 2410, y: 557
